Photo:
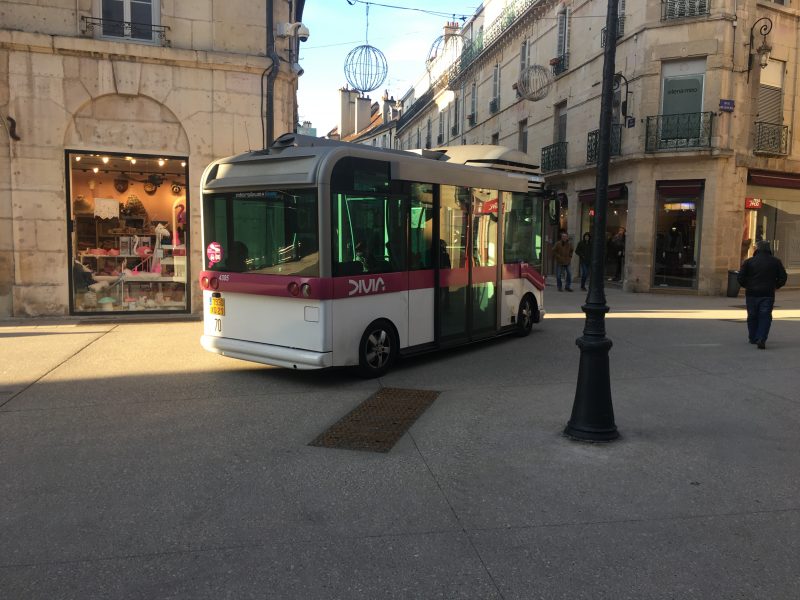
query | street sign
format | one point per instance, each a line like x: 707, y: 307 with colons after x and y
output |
x: 726, y: 105
x: 630, y: 122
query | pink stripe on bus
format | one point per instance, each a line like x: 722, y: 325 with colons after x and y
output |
x: 327, y: 288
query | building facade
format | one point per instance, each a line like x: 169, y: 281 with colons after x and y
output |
x: 112, y: 109
x: 703, y: 163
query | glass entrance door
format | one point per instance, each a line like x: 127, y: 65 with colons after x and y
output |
x: 468, y: 272
x: 778, y: 222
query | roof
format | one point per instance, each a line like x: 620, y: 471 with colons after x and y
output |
x: 486, y: 155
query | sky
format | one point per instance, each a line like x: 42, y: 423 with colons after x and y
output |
x: 404, y: 36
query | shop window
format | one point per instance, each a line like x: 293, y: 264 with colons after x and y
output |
x: 677, y: 243
x: 129, y: 233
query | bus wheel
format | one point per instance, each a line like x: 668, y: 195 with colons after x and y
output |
x: 526, y: 316
x: 377, y: 350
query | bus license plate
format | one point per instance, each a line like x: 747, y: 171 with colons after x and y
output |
x: 217, y: 307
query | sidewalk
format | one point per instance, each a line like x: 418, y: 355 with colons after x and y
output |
x: 135, y: 465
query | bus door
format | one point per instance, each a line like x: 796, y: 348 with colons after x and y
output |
x: 467, y: 264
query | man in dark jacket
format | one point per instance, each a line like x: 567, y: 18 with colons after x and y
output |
x: 760, y: 276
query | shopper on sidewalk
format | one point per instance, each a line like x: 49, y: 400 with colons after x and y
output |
x: 760, y: 276
x: 584, y: 252
x: 562, y: 253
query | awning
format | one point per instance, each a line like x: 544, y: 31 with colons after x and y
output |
x: 779, y: 180
x: 686, y: 188
x: 616, y: 191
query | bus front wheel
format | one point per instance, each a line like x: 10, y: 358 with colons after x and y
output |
x: 378, y: 349
x: 526, y: 315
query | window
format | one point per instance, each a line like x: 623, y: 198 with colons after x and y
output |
x: 560, y: 129
x: 133, y: 19
x: 495, y: 139
x: 770, y: 93
x: 522, y: 136
x: 270, y: 232
x: 368, y: 223
x: 523, y: 227
x: 682, y: 86
x: 474, y: 101
x: 421, y: 227
x: 496, y: 84
x: 562, y: 45
x: 523, y: 56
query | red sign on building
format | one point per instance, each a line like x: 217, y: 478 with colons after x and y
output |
x: 753, y: 203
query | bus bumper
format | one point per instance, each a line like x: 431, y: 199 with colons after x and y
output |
x: 279, y: 356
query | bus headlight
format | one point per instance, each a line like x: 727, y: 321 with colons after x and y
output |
x: 305, y: 289
x: 293, y: 288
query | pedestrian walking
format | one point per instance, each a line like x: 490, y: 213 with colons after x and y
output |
x: 584, y: 252
x: 562, y: 253
x: 760, y: 276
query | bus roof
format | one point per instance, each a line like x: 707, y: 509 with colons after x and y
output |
x: 305, y: 160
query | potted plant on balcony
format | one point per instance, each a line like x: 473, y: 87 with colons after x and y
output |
x: 555, y: 61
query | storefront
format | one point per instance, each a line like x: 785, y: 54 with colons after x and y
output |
x: 128, y: 233
x: 772, y: 213
x: 677, y: 233
x: 616, y: 226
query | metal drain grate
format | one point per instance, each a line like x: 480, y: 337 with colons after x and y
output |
x: 379, y: 422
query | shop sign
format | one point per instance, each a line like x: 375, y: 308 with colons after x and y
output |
x: 726, y: 105
x: 214, y: 253
x: 753, y: 203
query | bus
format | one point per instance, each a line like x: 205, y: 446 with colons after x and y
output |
x: 320, y: 253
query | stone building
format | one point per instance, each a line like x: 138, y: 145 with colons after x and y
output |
x: 112, y: 109
x: 703, y: 157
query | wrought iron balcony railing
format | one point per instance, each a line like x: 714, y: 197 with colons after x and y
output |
x: 138, y: 32
x: 560, y: 63
x: 620, y: 31
x: 471, y: 118
x: 593, y: 140
x: 679, y: 132
x: 440, y: 139
x: 554, y: 157
x: 771, y: 138
x: 454, y: 130
x: 494, y: 105
x: 677, y: 9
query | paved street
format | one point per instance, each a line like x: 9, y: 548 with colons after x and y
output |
x: 135, y: 465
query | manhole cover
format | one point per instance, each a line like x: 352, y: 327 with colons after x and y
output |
x: 379, y: 422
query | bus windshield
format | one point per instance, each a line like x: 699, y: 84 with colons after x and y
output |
x: 270, y: 232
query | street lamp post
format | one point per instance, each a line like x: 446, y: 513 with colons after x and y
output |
x: 592, y: 411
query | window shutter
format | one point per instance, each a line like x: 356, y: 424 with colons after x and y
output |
x: 562, y: 33
x: 770, y: 104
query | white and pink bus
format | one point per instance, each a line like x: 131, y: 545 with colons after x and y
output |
x: 321, y: 253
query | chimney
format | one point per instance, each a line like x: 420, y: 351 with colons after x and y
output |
x: 363, y: 113
x: 386, y: 106
x: 451, y: 28
x: 347, y: 124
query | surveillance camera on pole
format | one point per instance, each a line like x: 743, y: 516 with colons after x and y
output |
x: 293, y: 29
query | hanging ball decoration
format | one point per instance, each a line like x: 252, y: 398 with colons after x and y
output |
x: 534, y: 82
x: 365, y: 68
x: 445, y: 51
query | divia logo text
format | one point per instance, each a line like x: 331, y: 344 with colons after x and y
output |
x: 366, y: 286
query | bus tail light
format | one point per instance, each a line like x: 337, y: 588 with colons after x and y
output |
x: 294, y: 289
x: 204, y: 282
x: 214, y: 283
x: 306, y: 290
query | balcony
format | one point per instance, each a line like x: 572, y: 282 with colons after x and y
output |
x: 560, y: 63
x: 593, y: 141
x: 454, y: 130
x: 678, y: 9
x: 471, y: 118
x: 494, y: 105
x: 679, y: 132
x: 127, y: 30
x: 554, y: 157
x: 440, y: 139
x: 620, y: 31
x: 771, y: 139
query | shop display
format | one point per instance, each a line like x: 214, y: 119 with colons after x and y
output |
x: 129, y: 249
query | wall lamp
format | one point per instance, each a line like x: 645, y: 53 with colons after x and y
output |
x: 764, y: 49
